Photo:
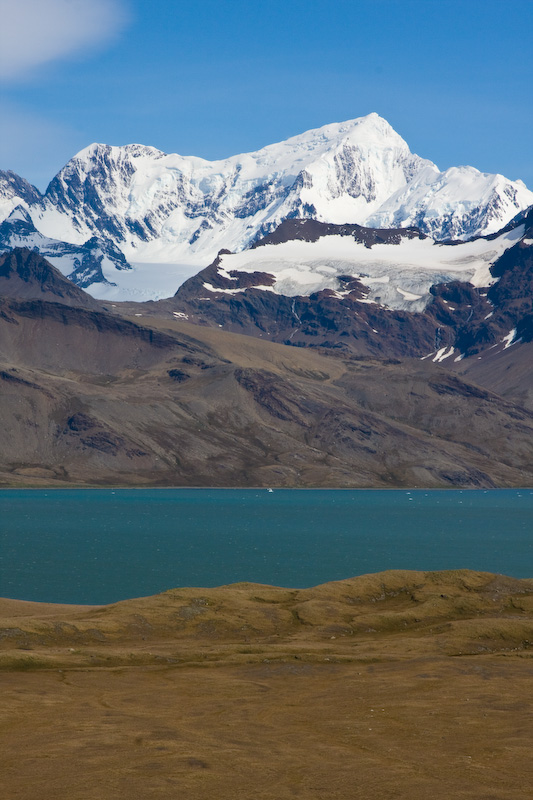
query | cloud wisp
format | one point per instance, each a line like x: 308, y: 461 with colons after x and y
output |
x: 35, y: 33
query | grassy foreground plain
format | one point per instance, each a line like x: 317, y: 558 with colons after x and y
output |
x: 404, y: 685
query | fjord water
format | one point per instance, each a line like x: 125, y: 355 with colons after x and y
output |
x: 99, y: 546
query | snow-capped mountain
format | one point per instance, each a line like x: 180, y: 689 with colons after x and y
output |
x: 15, y: 191
x: 84, y: 264
x: 166, y: 209
x: 459, y: 203
x: 173, y: 207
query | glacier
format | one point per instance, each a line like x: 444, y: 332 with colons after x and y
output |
x: 396, y: 276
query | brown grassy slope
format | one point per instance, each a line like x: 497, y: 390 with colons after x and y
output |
x: 395, y: 685
x: 453, y: 612
x: 89, y: 398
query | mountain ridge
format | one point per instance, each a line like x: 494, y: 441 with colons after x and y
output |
x: 167, y: 208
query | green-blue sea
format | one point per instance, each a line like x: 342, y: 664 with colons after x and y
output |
x: 103, y: 545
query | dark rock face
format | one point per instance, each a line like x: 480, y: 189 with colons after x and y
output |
x: 72, y: 189
x: 91, y: 433
x: 311, y: 230
x: 178, y: 375
x: 455, y: 387
x: 25, y: 275
x: 12, y: 185
x: 16, y: 380
x: 510, y: 299
x: 100, y: 321
x: 31, y: 288
x: 80, y: 423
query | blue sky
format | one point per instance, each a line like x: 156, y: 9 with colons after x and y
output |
x: 218, y: 77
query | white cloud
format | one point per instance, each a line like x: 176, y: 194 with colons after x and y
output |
x: 36, y: 32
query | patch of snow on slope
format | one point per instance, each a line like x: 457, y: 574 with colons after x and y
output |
x: 443, y: 353
x: 509, y: 340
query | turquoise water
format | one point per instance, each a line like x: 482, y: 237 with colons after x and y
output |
x: 99, y: 546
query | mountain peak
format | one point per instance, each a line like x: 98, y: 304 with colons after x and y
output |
x: 99, y: 150
x: 367, y: 128
x: 371, y: 132
x: 372, y: 124
x: 26, y: 275
x: 15, y: 191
